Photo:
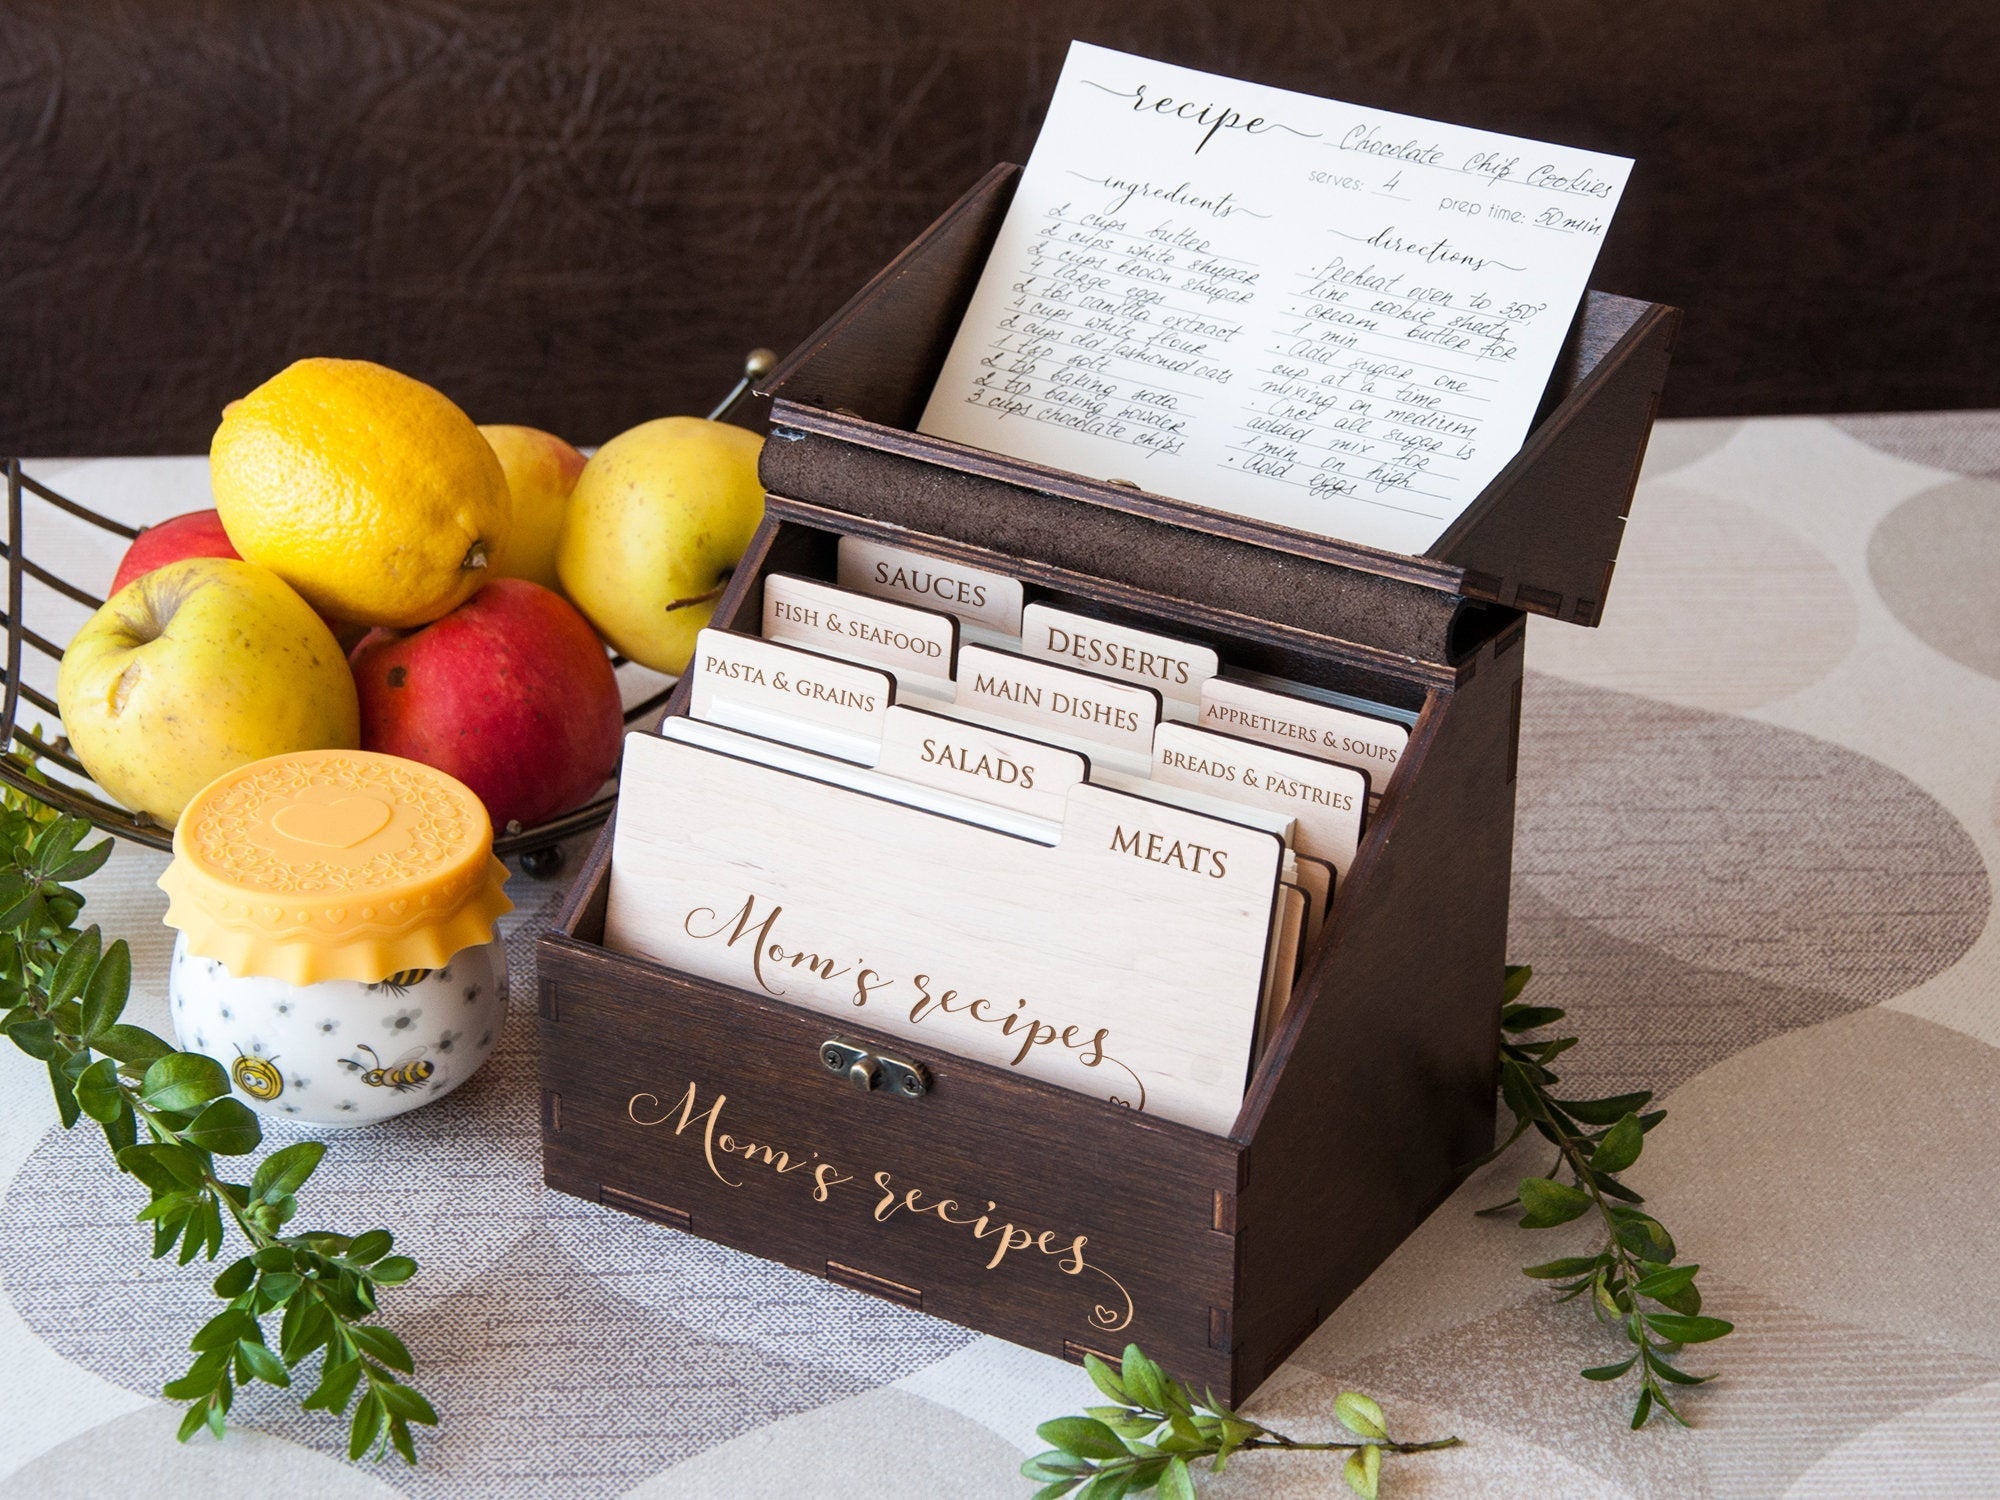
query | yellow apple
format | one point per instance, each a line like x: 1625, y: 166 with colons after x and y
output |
x: 541, y: 471
x: 197, y: 668
x: 659, y: 518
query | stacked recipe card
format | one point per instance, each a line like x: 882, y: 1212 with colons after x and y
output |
x: 1335, y: 319
x: 1072, y: 847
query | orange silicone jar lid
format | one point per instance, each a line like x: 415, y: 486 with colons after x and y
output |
x: 334, y: 864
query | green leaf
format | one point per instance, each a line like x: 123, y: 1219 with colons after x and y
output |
x: 337, y: 1379
x: 131, y: 1044
x: 1610, y: 1372
x: 385, y: 1346
x: 1360, y: 1415
x: 236, y: 1278
x: 1529, y: 1017
x: 306, y: 1326
x: 369, y: 1416
x: 1550, y: 1203
x: 110, y: 983
x: 226, y: 1127
x: 1103, y: 1377
x: 1645, y: 1237
x: 1054, y: 1466
x: 407, y: 1402
x: 1558, y: 1270
x: 1667, y: 1282
x: 183, y: 1081
x: 394, y: 1271
x: 189, y: 1386
x: 284, y: 1171
x: 1643, y: 1410
x: 1620, y: 1146
x: 65, y: 1091
x: 222, y: 1330
x: 399, y: 1439
x: 1143, y: 1379
x: 1051, y: 1491
x: 1680, y: 1329
x: 1515, y: 980
x: 1082, y: 1437
x: 81, y: 865
x: 265, y: 1365
x: 1605, y: 1111
x: 1175, y: 1482
x: 72, y: 970
x: 1363, y: 1471
x: 275, y: 1288
x: 36, y: 1037
x: 194, y: 1421
x: 122, y: 1130
x: 98, y: 1093
x: 368, y: 1247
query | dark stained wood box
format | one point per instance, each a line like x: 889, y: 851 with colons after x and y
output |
x: 1219, y: 1254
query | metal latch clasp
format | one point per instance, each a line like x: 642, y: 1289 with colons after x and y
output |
x: 869, y: 1071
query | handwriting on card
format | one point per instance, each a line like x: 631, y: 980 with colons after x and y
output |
x: 1328, y: 317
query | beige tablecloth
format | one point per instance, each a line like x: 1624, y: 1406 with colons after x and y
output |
x: 1760, y: 811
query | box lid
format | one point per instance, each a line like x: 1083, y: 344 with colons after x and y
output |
x: 1542, y: 536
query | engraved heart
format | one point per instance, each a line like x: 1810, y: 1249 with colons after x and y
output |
x: 333, y: 825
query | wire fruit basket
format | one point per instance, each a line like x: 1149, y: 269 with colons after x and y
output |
x: 41, y: 765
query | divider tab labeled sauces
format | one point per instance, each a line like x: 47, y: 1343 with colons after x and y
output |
x: 1316, y: 729
x: 975, y: 596
x: 1176, y: 668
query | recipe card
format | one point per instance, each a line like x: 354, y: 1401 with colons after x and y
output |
x: 1327, y: 317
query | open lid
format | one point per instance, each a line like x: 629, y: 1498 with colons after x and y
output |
x: 1543, y: 536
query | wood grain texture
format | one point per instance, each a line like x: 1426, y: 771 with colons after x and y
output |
x: 1262, y: 1266
x: 1037, y: 1154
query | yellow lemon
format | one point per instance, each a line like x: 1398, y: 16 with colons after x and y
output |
x: 659, y: 517
x: 367, y: 491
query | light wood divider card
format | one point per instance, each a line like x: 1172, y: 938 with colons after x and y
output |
x: 1126, y: 961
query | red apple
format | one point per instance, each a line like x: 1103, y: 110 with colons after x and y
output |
x: 199, y: 533
x: 511, y: 693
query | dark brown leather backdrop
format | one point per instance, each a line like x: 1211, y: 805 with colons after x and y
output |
x: 579, y: 213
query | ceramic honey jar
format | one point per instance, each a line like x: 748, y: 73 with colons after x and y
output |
x: 337, y: 948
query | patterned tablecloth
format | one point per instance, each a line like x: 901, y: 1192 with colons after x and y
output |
x: 1759, y: 816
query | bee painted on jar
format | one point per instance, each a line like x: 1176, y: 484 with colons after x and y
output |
x: 402, y: 981
x: 404, y: 1074
x: 257, y: 1076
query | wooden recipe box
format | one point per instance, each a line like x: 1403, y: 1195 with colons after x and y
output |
x: 1047, y: 1217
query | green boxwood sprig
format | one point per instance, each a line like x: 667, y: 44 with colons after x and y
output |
x: 167, y: 1116
x: 1156, y: 1432
x: 1632, y: 1281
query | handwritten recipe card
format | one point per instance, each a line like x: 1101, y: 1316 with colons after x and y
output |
x: 1326, y: 317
